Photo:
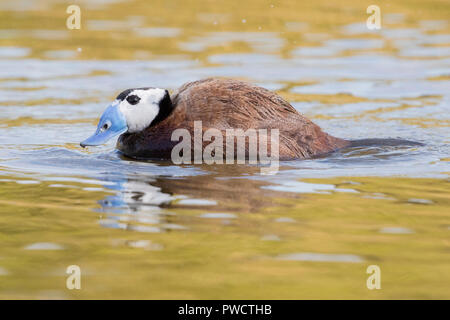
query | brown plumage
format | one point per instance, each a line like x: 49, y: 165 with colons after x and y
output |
x: 230, y: 104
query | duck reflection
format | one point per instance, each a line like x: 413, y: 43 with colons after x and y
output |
x: 157, y: 200
x: 137, y: 206
x: 156, y: 204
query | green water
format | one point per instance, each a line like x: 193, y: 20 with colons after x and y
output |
x: 160, y: 231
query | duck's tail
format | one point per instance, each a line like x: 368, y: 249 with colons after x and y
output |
x: 383, y: 142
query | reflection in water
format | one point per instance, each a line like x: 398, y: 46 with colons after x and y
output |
x: 137, y: 206
x: 145, y: 202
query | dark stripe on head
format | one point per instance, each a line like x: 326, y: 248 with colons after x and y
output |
x: 125, y: 93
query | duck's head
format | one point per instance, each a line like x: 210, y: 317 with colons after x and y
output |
x: 132, y: 111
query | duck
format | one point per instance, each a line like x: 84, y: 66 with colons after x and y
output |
x: 145, y: 118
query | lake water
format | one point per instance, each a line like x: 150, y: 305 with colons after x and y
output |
x: 151, y: 229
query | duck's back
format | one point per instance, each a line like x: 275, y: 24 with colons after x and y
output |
x: 232, y: 103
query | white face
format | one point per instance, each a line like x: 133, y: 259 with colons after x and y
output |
x: 144, y: 111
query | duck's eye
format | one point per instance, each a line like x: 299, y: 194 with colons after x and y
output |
x: 133, y: 99
x: 106, y: 126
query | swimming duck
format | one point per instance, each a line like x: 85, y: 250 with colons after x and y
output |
x: 146, y: 117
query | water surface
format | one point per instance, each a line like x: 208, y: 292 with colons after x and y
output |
x: 151, y: 229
